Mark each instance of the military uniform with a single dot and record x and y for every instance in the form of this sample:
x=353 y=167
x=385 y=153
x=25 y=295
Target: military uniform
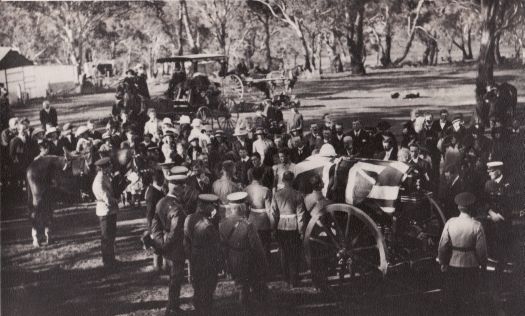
x=153 y=195
x=245 y=256
x=288 y=205
x=462 y=251
x=167 y=231
x=202 y=246
x=106 y=208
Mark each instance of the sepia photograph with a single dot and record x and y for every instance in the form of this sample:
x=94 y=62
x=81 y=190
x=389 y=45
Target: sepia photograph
x=262 y=157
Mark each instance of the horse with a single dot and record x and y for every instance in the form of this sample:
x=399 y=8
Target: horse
x=497 y=102
x=47 y=181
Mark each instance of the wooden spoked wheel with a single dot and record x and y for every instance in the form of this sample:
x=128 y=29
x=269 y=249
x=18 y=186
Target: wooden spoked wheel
x=232 y=88
x=342 y=242
x=227 y=115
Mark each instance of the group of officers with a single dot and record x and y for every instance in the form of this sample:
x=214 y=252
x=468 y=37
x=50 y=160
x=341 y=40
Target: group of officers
x=229 y=225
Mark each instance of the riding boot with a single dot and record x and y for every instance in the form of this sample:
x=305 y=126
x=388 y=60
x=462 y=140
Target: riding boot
x=36 y=242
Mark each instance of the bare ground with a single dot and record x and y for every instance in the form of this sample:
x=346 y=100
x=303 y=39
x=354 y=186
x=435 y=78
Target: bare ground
x=66 y=278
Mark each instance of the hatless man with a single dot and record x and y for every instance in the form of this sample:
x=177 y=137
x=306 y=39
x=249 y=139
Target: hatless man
x=389 y=147
x=361 y=138
x=67 y=139
x=281 y=168
x=300 y=150
x=225 y=185
x=288 y=207
x=244 y=252
x=261 y=146
x=242 y=166
x=202 y=246
x=267 y=178
x=462 y=252
x=48 y=115
x=259 y=200
x=106 y=210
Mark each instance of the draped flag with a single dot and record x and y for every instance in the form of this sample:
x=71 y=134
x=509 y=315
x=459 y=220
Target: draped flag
x=376 y=180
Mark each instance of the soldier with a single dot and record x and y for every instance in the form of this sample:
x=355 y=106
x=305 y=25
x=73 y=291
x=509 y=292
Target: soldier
x=288 y=207
x=501 y=200
x=462 y=251
x=244 y=253
x=167 y=230
x=259 y=200
x=154 y=193
x=106 y=210
x=202 y=247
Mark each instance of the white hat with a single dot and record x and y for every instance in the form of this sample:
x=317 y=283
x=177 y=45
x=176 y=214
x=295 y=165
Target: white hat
x=51 y=130
x=196 y=122
x=184 y=119
x=81 y=130
x=327 y=150
x=167 y=120
x=494 y=164
x=13 y=122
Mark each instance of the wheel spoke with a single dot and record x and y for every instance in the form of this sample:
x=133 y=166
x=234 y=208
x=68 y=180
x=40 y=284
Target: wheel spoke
x=431 y=218
x=322 y=242
x=347 y=229
x=331 y=235
x=354 y=240
x=364 y=248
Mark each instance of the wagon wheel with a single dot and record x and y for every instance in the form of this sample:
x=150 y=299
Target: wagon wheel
x=204 y=114
x=342 y=242
x=227 y=115
x=232 y=88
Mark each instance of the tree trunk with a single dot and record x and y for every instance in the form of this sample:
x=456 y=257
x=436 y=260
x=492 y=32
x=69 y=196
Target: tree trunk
x=407 y=49
x=267 y=43
x=180 y=43
x=356 y=47
x=497 y=53
x=386 y=59
x=486 y=56
x=194 y=46
x=469 y=43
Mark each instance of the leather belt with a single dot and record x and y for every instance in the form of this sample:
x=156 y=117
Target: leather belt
x=288 y=216
x=258 y=210
x=463 y=249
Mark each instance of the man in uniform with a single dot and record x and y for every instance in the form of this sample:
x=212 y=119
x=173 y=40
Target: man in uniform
x=244 y=252
x=288 y=207
x=106 y=210
x=501 y=201
x=167 y=230
x=202 y=247
x=154 y=193
x=259 y=200
x=462 y=252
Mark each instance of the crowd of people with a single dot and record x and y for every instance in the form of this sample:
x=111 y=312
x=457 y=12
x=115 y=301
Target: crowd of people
x=220 y=200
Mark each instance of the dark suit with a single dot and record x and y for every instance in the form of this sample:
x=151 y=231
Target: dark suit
x=48 y=117
x=361 y=141
x=236 y=146
x=423 y=168
x=241 y=171
x=436 y=127
x=392 y=156
x=339 y=145
x=70 y=145
x=201 y=188
x=299 y=154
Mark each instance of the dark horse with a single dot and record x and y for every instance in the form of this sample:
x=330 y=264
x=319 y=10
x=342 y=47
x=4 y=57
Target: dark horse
x=497 y=102
x=51 y=179
x=47 y=182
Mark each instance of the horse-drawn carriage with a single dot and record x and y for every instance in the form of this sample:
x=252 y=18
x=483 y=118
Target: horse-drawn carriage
x=202 y=87
x=378 y=219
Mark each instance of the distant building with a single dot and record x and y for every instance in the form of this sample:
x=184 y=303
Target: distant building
x=24 y=80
